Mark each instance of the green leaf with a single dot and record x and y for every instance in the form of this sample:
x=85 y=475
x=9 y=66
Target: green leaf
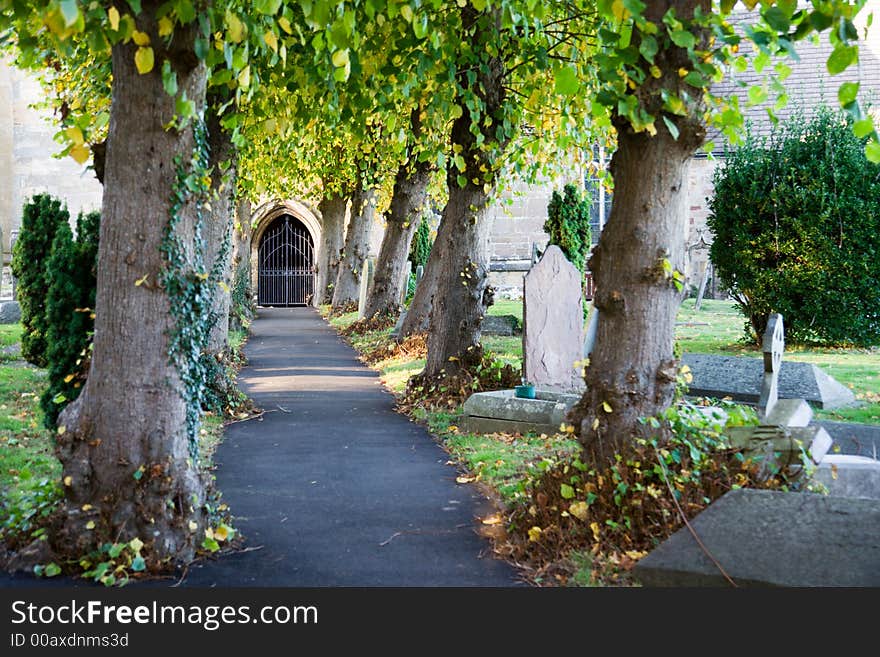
x=138 y=564
x=777 y=19
x=566 y=491
x=872 y=151
x=683 y=38
x=566 y=82
x=135 y=6
x=70 y=11
x=848 y=93
x=137 y=474
x=210 y=544
x=648 y=48
x=673 y=129
x=116 y=549
x=863 y=128
x=841 y=58
x=267 y=7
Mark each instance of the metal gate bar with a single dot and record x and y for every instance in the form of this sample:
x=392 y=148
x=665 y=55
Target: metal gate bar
x=286 y=273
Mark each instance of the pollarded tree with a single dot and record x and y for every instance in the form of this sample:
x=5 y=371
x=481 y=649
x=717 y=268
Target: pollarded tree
x=41 y=218
x=656 y=67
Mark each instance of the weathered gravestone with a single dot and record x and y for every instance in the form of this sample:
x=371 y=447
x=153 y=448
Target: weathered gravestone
x=500 y=325
x=553 y=323
x=365 y=283
x=783 y=428
x=420 y=271
x=10 y=312
x=772 y=538
x=407 y=271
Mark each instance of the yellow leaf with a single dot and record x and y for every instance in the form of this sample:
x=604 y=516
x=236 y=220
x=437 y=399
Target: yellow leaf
x=141 y=280
x=285 y=24
x=271 y=40
x=68 y=378
x=594 y=526
x=141 y=38
x=235 y=29
x=68 y=480
x=61 y=430
x=209 y=533
x=193 y=525
x=113 y=17
x=833 y=471
x=143 y=59
x=534 y=534
x=136 y=544
x=464 y=480
x=494 y=519
x=340 y=58
x=221 y=533
x=166 y=27
x=202 y=276
x=74 y=134
x=87 y=507
x=224 y=286
x=606 y=407
x=452 y=428
x=244 y=78
x=90 y=524
x=579 y=510
x=595 y=424
x=407 y=13
x=80 y=153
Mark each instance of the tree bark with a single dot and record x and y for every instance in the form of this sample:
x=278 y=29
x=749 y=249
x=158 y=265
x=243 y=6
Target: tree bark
x=407 y=203
x=356 y=249
x=632 y=369
x=218 y=227
x=418 y=314
x=124 y=449
x=332 y=208
x=463 y=293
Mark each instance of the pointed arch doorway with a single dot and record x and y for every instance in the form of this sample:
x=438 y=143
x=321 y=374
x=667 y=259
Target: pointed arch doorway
x=286 y=264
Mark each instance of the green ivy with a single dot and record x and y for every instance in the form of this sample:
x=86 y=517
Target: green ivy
x=190 y=286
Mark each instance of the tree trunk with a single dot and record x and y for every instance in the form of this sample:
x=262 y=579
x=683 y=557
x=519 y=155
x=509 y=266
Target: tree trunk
x=124 y=448
x=418 y=314
x=357 y=248
x=218 y=228
x=463 y=293
x=332 y=210
x=242 y=236
x=632 y=368
x=407 y=203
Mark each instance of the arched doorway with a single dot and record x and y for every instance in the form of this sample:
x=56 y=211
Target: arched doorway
x=286 y=264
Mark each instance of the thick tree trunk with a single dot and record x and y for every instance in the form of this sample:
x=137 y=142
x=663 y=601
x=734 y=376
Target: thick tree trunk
x=242 y=236
x=218 y=228
x=407 y=203
x=632 y=369
x=418 y=314
x=356 y=249
x=332 y=210
x=124 y=446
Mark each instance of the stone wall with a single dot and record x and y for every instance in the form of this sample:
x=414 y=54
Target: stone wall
x=26 y=163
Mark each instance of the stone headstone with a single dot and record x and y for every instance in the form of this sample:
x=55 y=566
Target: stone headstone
x=592 y=326
x=501 y=411
x=553 y=323
x=420 y=271
x=10 y=312
x=773 y=347
x=847 y=475
x=500 y=325
x=741 y=378
x=407 y=271
x=365 y=283
x=771 y=538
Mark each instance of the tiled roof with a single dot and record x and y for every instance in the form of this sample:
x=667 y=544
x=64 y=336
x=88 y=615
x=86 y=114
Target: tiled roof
x=808 y=85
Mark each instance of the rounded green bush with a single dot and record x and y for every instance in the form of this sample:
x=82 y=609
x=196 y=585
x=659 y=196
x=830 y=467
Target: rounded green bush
x=796 y=223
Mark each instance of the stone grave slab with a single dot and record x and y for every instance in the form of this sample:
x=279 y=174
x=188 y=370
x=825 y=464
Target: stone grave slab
x=10 y=312
x=553 y=323
x=771 y=538
x=847 y=475
x=741 y=377
x=500 y=325
x=501 y=411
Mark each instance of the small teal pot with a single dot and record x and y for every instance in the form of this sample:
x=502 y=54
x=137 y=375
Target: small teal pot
x=526 y=391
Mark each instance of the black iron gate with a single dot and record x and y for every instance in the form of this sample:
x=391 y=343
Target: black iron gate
x=286 y=275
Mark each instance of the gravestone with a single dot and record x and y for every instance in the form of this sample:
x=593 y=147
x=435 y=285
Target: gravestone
x=501 y=411
x=773 y=346
x=420 y=271
x=772 y=538
x=590 y=335
x=10 y=312
x=741 y=377
x=500 y=325
x=407 y=271
x=553 y=323
x=365 y=283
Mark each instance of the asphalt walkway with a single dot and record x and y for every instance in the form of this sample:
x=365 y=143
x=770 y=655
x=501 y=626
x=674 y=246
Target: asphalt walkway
x=332 y=485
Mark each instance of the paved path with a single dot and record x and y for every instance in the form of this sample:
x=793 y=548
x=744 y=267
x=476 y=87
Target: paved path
x=337 y=488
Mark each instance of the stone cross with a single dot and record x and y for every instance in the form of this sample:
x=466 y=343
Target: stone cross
x=773 y=346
